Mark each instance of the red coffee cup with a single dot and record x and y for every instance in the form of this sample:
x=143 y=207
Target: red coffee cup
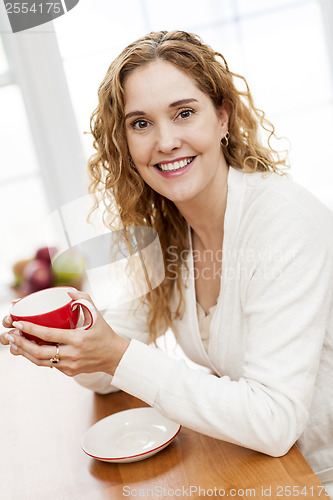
x=52 y=307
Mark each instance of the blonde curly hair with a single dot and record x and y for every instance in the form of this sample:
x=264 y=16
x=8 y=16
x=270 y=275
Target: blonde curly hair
x=114 y=180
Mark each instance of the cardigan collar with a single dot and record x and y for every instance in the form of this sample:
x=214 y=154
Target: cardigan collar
x=236 y=182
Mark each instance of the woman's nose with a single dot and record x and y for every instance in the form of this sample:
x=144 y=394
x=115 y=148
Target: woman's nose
x=167 y=139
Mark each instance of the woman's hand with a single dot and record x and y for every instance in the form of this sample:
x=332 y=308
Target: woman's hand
x=80 y=351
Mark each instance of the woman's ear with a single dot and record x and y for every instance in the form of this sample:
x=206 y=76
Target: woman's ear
x=224 y=112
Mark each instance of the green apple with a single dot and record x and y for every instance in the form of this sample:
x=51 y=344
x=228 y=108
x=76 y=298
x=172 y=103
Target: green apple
x=68 y=268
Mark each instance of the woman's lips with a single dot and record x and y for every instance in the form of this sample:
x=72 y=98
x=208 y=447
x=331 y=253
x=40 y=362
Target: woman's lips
x=175 y=173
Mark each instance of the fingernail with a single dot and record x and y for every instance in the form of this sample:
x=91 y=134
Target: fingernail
x=13 y=346
x=8 y=319
x=9 y=337
x=16 y=324
x=17 y=332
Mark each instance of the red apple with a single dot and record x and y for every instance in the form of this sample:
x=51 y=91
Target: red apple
x=38 y=275
x=46 y=253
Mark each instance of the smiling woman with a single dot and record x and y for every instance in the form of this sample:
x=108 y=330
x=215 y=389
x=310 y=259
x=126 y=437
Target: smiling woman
x=148 y=86
x=248 y=286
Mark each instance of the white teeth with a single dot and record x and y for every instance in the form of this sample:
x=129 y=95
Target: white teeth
x=176 y=165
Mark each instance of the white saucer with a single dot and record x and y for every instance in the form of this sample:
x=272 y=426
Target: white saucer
x=129 y=436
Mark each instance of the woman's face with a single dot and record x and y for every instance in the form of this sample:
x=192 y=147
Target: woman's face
x=173 y=131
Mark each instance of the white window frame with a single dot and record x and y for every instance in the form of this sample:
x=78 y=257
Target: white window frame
x=36 y=67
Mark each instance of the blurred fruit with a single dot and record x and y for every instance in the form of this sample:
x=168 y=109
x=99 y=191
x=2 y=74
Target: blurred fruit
x=48 y=269
x=18 y=269
x=68 y=268
x=46 y=254
x=37 y=275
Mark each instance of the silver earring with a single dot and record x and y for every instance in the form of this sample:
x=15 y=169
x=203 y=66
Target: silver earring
x=225 y=140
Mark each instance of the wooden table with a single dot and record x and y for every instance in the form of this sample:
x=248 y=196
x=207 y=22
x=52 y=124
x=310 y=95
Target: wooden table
x=43 y=416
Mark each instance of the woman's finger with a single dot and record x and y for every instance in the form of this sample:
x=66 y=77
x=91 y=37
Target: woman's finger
x=7 y=337
x=56 y=335
x=4 y=339
x=40 y=360
x=42 y=356
x=38 y=354
x=7 y=322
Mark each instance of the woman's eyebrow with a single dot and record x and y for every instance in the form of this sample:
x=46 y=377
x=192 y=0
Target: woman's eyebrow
x=134 y=113
x=180 y=102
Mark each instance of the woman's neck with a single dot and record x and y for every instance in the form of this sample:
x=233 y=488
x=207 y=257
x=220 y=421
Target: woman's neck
x=205 y=214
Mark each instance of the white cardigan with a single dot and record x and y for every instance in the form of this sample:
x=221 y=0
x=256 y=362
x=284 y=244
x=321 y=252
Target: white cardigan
x=271 y=335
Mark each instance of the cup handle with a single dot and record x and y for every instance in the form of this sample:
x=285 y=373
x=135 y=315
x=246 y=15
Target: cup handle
x=91 y=310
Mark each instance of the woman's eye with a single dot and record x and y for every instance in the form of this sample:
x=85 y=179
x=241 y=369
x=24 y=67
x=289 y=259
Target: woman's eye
x=140 y=124
x=185 y=113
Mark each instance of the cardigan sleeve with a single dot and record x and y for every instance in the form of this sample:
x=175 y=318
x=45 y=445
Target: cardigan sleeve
x=286 y=305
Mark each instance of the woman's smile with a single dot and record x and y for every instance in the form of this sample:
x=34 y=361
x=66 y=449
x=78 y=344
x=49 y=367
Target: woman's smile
x=175 y=167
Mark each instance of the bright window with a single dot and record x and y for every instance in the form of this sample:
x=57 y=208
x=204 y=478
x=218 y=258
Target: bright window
x=279 y=46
